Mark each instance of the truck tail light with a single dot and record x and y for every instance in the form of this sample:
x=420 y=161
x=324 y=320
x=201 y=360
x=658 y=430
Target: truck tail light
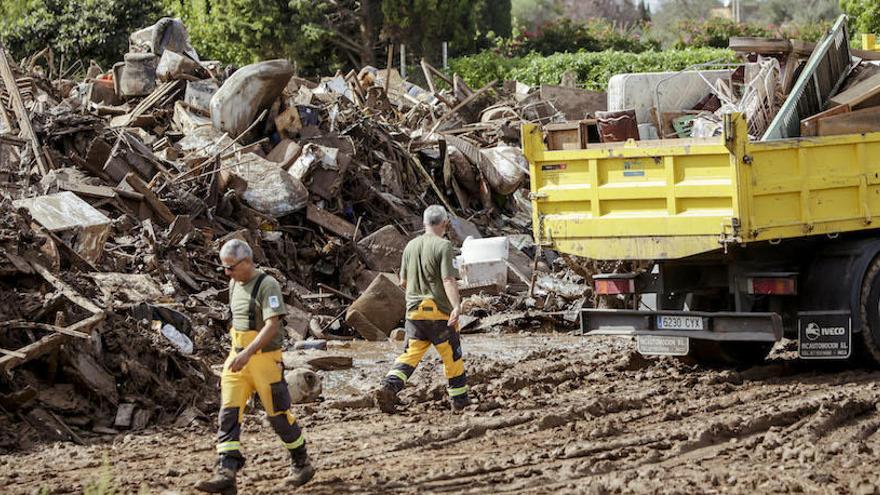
x=606 y=286
x=777 y=286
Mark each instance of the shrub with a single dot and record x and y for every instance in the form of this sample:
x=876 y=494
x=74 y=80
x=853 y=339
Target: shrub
x=593 y=69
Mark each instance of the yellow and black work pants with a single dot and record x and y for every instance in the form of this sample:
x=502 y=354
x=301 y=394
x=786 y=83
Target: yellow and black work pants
x=263 y=374
x=426 y=325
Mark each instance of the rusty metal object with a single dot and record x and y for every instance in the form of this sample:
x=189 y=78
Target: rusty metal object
x=617 y=126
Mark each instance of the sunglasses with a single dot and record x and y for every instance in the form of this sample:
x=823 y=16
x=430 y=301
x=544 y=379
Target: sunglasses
x=231 y=267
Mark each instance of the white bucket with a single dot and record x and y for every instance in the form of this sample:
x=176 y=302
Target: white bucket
x=488 y=249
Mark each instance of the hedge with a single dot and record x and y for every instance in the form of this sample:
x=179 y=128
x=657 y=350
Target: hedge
x=593 y=69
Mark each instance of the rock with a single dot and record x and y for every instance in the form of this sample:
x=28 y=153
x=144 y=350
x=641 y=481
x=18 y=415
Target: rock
x=246 y=93
x=383 y=249
x=379 y=309
x=304 y=385
x=397 y=335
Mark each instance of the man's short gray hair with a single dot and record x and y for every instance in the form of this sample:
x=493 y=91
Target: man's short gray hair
x=435 y=215
x=236 y=249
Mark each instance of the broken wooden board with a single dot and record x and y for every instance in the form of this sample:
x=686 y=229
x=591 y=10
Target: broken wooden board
x=162 y=212
x=24 y=121
x=48 y=343
x=127 y=287
x=810 y=126
x=861 y=95
x=65 y=211
x=857 y=122
x=329 y=221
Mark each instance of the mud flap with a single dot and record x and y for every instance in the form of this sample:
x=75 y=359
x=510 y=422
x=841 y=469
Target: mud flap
x=824 y=335
x=280 y=396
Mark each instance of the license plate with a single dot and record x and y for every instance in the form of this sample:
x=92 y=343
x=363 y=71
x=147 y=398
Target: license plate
x=679 y=323
x=661 y=345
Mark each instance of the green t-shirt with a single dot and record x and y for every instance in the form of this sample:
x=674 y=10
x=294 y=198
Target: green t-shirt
x=427 y=260
x=269 y=303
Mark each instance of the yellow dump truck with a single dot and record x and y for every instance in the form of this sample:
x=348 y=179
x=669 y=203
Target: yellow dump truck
x=751 y=240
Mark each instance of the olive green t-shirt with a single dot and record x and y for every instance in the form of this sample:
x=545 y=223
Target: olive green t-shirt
x=427 y=260
x=269 y=303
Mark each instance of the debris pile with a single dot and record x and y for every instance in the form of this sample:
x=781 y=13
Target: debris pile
x=118 y=189
x=785 y=88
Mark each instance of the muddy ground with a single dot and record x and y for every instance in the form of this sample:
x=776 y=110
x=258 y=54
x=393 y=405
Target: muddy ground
x=557 y=414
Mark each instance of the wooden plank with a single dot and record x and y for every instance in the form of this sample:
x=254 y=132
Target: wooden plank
x=68 y=291
x=857 y=122
x=810 y=126
x=24 y=121
x=87 y=190
x=805 y=48
x=48 y=343
x=863 y=94
x=16 y=354
x=44 y=326
x=747 y=44
x=329 y=221
x=155 y=204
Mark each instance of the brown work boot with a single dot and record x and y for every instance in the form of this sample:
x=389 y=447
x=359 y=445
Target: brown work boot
x=385 y=399
x=222 y=482
x=301 y=471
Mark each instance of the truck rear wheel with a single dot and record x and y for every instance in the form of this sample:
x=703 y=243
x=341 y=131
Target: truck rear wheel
x=869 y=312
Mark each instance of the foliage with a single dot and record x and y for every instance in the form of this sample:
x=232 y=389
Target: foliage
x=593 y=69
x=803 y=12
x=568 y=36
x=716 y=32
x=246 y=31
x=531 y=14
x=864 y=15
x=496 y=18
x=423 y=25
x=76 y=29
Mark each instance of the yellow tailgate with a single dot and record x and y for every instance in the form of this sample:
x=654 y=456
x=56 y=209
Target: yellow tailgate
x=640 y=200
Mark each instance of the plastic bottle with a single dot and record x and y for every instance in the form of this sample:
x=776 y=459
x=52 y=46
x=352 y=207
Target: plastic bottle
x=180 y=340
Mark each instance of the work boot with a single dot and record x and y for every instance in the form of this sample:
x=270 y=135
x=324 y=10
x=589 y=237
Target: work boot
x=301 y=471
x=460 y=402
x=385 y=399
x=222 y=482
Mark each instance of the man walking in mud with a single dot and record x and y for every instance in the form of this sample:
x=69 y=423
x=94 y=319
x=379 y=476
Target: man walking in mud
x=432 y=309
x=253 y=365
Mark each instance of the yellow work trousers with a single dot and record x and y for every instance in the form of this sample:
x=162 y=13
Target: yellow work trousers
x=262 y=374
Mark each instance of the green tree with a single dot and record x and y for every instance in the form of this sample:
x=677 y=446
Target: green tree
x=496 y=17
x=780 y=12
x=864 y=15
x=246 y=31
x=423 y=25
x=530 y=15
x=644 y=11
x=76 y=29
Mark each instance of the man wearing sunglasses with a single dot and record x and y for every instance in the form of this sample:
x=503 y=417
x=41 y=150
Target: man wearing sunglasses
x=254 y=365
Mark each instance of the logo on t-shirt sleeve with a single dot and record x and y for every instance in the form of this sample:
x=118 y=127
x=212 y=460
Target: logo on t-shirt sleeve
x=274 y=302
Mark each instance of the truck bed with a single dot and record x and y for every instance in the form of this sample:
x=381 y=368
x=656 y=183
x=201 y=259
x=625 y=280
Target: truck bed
x=673 y=198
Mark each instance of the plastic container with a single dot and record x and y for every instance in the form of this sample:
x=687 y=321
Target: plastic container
x=181 y=341
x=488 y=249
x=489 y=272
